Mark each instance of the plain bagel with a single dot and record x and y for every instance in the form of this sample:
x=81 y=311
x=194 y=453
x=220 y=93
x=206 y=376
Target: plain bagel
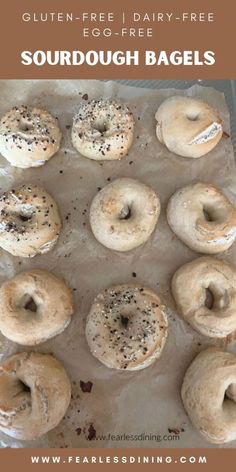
x=123 y=215
x=34 y=306
x=29 y=221
x=35 y=393
x=103 y=129
x=126 y=327
x=203 y=218
x=209 y=395
x=205 y=294
x=29 y=136
x=187 y=126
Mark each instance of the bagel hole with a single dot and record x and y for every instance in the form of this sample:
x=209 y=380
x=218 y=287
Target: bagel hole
x=25 y=126
x=207 y=215
x=24 y=388
x=24 y=212
x=230 y=393
x=209 y=299
x=27 y=302
x=124 y=321
x=31 y=305
x=100 y=126
x=192 y=117
x=24 y=217
x=125 y=213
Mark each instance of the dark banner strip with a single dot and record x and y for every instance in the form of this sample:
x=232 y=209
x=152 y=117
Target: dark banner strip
x=90 y=39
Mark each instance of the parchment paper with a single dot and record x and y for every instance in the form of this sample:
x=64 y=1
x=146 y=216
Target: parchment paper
x=119 y=403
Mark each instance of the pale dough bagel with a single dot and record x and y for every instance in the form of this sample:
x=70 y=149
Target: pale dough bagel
x=29 y=221
x=35 y=393
x=203 y=218
x=205 y=294
x=127 y=327
x=29 y=136
x=124 y=214
x=34 y=306
x=103 y=129
x=187 y=126
x=209 y=395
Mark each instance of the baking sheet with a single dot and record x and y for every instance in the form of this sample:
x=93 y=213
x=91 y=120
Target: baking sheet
x=132 y=403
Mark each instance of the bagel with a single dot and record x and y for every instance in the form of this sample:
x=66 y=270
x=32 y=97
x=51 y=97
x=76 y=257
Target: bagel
x=34 y=306
x=28 y=136
x=203 y=218
x=205 y=294
x=187 y=126
x=35 y=393
x=29 y=221
x=103 y=130
x=209 y=395
x=126 y=327
x=123 y=215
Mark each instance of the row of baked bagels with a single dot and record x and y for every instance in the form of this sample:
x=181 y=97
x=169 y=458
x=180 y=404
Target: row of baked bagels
x=126 y=329
x=104 y=130
x=123 y=215
x=35 y=393
x=34 y=292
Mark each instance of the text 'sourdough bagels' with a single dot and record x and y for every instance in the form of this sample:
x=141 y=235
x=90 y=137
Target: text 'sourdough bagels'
x=35 y=393
x=205 y=294
x=203 y=218
x=29 y=136
x=103 y=129
x=29 y=221
x=126 y=327
x=187 y=126
x=209 y=395
x=34 y=306
x=123 y=215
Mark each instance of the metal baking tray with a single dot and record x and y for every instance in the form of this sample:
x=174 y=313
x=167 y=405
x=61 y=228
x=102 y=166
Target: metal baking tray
x=228 y=87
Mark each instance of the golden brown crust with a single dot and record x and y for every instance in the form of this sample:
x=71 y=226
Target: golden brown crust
x=123 y=215
x=203 y=218
x=29 y=136
x=29 y=221
x=35 y=393
x=187 y=126
x=103 y=130
x=190 y=285
x=209 y=395
x=126 y=327
x=34 y=306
